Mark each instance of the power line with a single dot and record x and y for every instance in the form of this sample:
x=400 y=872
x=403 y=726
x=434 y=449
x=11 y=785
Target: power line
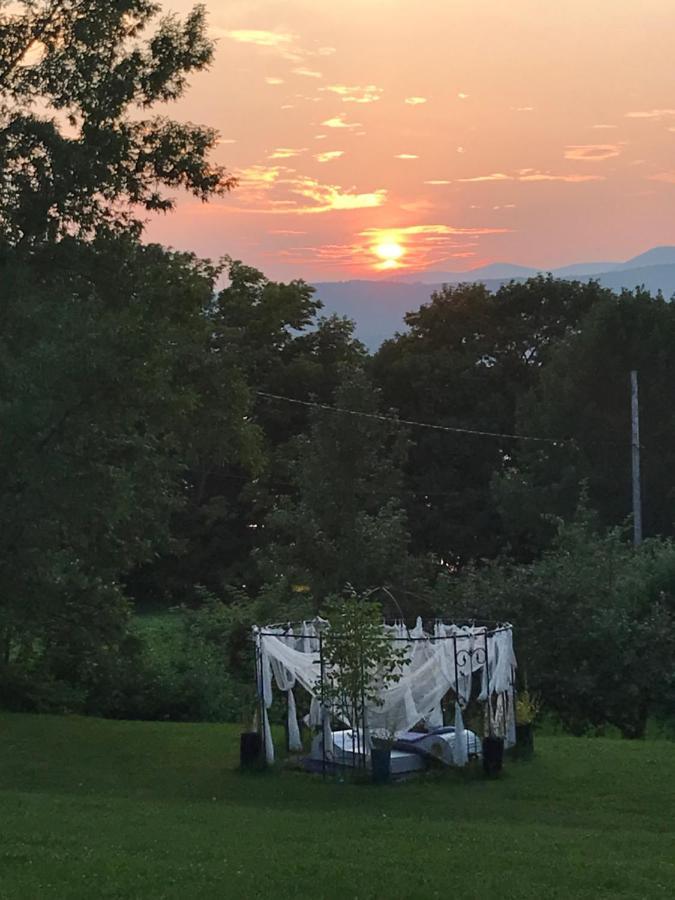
x=557 y=442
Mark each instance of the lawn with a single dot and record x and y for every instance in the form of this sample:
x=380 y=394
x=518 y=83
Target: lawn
x=99 y=809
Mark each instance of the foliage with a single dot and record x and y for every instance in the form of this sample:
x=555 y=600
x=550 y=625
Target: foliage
x=468 y=357
x=271 y=333
x=360 y=659
x=594 y=623
x=77 y=152
x=584 y=394
x=105 y=350
x=340 y=520
x=528 y=706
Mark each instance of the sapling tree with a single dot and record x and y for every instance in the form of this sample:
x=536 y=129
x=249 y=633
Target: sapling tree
x=360 y=658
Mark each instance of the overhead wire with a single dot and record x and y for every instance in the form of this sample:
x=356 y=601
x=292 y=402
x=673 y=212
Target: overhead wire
x=452 y=429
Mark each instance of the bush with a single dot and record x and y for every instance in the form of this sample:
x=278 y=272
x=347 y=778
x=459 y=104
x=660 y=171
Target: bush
x=594 y=623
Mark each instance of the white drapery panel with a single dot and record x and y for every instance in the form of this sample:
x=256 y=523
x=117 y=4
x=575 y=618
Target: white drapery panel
x=446 y=661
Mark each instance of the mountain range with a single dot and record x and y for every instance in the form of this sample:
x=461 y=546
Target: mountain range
x=377 y=307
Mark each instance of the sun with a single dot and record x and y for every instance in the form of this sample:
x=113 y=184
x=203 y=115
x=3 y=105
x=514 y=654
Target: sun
x=389 y=252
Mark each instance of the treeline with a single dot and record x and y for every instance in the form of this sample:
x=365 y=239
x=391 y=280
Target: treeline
x=168 y=442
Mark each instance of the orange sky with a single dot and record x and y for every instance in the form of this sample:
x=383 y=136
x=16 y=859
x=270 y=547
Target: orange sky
x=465 y=131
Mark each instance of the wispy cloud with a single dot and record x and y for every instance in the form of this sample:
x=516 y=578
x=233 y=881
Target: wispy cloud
x=329 y=155
x=573 y=178
x=415 y=101
x=287 y=152
x=368 y=93
x=601 y=126
x=438 y=181
x=259 y=38
x=340 y=122
x=493 y=176
x=304 y=72
x=666 y=177
x=274 y=80
x=522 y=109
x=273 y=190
x=532 y=175
x=592 y=152
x=406 y=156
x=651 y=114
x=462 y=96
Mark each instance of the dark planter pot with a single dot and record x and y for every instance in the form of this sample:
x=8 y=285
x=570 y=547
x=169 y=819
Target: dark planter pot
x=250 y=750
x=380 y=761
x=493 y=755
x=524 y=741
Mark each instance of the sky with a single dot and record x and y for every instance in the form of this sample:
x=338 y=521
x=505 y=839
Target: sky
x=379 y=138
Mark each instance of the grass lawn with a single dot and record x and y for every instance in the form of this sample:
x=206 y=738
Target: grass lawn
x=95 y=809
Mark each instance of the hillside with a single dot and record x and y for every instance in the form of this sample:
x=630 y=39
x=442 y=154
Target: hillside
x=378 y=307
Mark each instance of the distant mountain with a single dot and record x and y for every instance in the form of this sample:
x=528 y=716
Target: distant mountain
x=482 y=273
x=657 y=256
x=378 y=307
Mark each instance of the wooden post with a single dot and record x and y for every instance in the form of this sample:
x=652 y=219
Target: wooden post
x=635 y=453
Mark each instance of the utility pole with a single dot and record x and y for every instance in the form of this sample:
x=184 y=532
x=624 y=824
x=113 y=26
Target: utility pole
x=635 y=451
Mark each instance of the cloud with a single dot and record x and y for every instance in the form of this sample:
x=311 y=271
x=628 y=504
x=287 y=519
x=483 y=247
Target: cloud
x=438 y=181
x=494 y=176
x=409 y=230
x=274 y=39
x=306 y=73
x=666 y=177
x=592 y=152
x=368 y=93
x=226 y=141
x=277 y=189
x=415 y=101
x=522 y=108
x=651 y=114
x=286 y=152
x=462 y=96
x=329 y=155
x=339 y=122
x=320 y=137
x=406 y=156
x=532 y=175
x=272 y=80
x=601 y=126
x=286 y=231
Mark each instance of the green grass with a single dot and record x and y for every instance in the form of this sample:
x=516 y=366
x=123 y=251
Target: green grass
x=98 y=809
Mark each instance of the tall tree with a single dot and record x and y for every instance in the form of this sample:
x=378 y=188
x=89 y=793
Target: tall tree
x=274 y=334
x=341 y=520
x=584 y=394
x=105 y=349
x=77 y=153
x=468 y=356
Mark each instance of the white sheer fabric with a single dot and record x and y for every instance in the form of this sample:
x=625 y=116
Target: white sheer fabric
x=443 y=662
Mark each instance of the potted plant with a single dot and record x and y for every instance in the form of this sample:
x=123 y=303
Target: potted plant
x=527 y=709
x=360 y=661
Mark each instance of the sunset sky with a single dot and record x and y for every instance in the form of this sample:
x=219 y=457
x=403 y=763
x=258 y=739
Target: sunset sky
x=374 y=137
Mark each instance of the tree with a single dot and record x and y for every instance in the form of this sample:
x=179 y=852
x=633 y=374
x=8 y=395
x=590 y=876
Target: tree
x=467 y=359
x=77 y=154
x=272 y=333
x=584 y=395
x=594 y=623
x=340 y=520
x=105 y=348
